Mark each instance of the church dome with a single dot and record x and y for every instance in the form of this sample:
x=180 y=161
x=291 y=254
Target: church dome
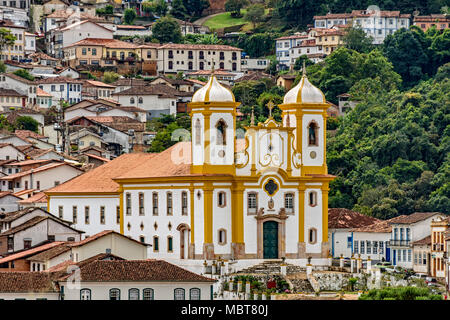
x=304 y=92
x=213 y=91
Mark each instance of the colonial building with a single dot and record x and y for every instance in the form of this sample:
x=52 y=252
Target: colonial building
x=440 y=21
x=439 y=227
x=173 y=58
x=377 y=24
x=261 y=197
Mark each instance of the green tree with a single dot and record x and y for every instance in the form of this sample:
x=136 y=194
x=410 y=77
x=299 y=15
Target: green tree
x=6 y=37
x=195 y=7
x=407 y=55
x=235 y=6
x=26 y=123
x=356 y=39
x=110 y=77
x=299 y=13
x=167 y=29
x=24 y=74
x=178 y=10
x=129 y=16
x=255 y=14
x=298 y=65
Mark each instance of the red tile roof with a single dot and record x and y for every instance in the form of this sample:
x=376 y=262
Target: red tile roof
x=136 y=271
x=27 y=282
x=341 y=218
x=414 y=217
x=424 y=241
x=29 y=252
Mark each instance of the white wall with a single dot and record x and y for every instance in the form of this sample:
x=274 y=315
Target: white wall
x=162 y=290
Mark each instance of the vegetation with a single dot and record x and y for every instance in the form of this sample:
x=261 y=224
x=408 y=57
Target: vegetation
x=356 y=39
x=391 y=153
x=6 y=37
x=235 y=6
x=109 y=9
x=24 y=74
x=178 y=10
x=110 y=77
x=26 y=123
x=402 y=293
x=167 y=30
x=164 y=127
x=255 y=14
x=129 y=16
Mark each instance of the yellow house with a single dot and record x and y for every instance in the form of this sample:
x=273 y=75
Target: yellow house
x=329 y=40
x=113 y=53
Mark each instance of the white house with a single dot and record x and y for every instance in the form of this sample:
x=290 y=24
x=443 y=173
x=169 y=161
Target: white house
x=422 y=255
x=59 y=38
x=155 y=99
x=21 y=85
x=341 y=221
x=374 y=22
x=41 y=178
x=64 y=88
x=407 y=229
x=373 y=241
x=35 y=231
x=30 y=43
x=10 y=152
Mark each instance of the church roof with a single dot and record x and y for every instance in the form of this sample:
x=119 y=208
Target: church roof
x=213 y=91
x=305 y=92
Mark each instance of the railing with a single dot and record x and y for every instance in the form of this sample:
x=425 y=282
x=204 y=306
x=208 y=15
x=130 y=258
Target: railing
x=399 y=243
x=438 y=247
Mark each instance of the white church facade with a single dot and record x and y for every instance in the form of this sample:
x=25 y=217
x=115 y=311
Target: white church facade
x=261 y=197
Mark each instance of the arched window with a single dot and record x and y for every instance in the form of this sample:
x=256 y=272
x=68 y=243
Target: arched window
x=133 y=294
x=85 y=294
x=313 y=134
x=202 y=65
x=221 y=199
x=132 y=100
x=312 y=198
x=148 y=294
x=114 y=294
x=140 y=100
x=194 y=294
x=198 y=132
x=221 y=132
x=178 y=294
x=222 y=236
x=312 y=236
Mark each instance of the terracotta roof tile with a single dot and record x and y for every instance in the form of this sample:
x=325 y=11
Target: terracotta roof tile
x=414 y=217
x=100 y=178
x=424 y=241
x=30 y=252
x=340 y=218
x=199 y=47
x=137 y=270
x=35 y=170
x=26 y=282
x=39 y=197
x=383 y=226
x=50 y=253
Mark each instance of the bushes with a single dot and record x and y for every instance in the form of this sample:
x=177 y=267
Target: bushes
x=402 y=293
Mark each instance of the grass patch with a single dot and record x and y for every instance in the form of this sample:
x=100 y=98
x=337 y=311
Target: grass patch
x=224 y=20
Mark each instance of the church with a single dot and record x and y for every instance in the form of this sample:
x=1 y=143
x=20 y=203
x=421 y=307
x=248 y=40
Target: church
x=262 y=196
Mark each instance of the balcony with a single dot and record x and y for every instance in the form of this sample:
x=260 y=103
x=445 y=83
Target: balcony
x=437 y=247
x=399 y=243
